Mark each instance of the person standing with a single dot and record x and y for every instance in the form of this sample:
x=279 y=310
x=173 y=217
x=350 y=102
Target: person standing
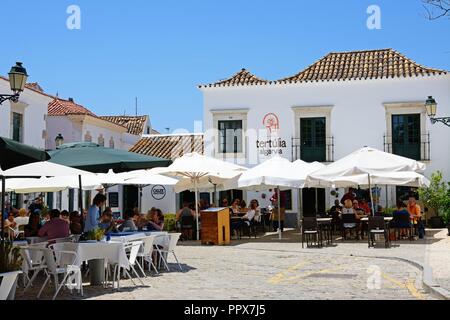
x=276 y=210
x=93 y=214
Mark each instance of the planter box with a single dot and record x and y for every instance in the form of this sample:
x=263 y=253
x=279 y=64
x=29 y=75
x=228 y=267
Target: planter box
x=436 y=223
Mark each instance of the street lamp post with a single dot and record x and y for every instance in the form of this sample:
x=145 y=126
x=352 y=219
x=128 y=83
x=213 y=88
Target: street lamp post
x=59 y=140
x=17 y=80
x=431 y=108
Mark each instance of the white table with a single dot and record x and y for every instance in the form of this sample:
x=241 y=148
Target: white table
x=162 y=237
x=386 y=219
x=112 y=252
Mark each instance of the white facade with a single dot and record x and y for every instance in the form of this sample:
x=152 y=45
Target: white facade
x=82 y=128
x=32 y=108
x=358 y=113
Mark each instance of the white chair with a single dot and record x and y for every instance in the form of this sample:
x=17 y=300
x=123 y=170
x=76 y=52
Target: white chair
x=164 y=252
x=71 y=271
x=133 y=248
x=33 y=261
x=146 y=254
x=7 y=282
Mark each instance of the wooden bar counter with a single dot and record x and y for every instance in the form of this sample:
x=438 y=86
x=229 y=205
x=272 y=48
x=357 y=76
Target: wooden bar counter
x=215 y=226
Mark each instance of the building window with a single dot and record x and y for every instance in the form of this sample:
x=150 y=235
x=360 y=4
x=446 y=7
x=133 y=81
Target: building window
x=313 y=139
x=111 y=143
x=88 y=137
x=230 y=136
x=17 y=127
x=101 y=140
x=406 y=135
x=58 y=200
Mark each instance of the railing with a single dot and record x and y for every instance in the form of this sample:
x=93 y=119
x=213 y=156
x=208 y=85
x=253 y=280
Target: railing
x=425 y=146
x=324 y=153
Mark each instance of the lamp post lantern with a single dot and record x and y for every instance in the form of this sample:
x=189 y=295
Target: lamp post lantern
x=59 y=140
x=431 y=108
x=17 y=79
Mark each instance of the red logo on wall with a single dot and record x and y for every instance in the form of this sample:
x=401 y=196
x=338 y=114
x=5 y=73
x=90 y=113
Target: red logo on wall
x=271 y=122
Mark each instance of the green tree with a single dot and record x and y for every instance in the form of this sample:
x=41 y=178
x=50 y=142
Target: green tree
x=437 y=195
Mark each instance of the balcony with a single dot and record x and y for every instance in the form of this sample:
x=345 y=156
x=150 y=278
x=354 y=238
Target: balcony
x=416 y=150
x=310 y=152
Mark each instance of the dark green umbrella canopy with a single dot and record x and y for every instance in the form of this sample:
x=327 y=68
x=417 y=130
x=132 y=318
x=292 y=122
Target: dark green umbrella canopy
x=92 y=157
x=14 y=154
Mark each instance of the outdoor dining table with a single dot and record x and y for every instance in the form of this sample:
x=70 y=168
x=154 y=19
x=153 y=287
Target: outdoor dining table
x=325 y=225
x=387 y=221
x=162 y=237
x=99 y=252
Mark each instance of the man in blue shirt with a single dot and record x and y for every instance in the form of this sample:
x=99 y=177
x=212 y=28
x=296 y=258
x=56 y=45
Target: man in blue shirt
x=93 y=214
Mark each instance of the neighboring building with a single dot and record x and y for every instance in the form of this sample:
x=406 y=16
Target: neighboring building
x=137 y=126
x=24 y=121
x=170 y=146
x=77 y=123
x=344 y=101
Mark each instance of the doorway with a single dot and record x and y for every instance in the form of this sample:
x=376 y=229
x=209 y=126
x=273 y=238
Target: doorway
x=309 y=201
x=130 y=197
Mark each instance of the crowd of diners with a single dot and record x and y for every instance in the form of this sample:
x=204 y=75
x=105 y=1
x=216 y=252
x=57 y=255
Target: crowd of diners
x=407 y=214
x=242 y=215
x=34 y=221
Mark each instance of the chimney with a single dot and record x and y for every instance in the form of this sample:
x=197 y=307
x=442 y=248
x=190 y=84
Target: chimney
x=71 y=99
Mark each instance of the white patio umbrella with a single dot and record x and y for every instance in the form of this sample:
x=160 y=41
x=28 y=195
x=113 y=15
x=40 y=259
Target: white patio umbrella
x=195 y=168
x=277 y=173
x=41 y=169
x=369 y=166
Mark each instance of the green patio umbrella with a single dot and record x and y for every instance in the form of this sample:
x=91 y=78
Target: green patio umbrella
x=14 y=154
x=95 y=158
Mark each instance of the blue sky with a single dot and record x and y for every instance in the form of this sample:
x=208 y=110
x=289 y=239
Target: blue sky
x=161 y=50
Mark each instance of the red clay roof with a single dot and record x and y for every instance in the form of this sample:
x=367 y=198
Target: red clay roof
x=341 y=66
x=134 y=124
x=169 y=146
x=60 y=107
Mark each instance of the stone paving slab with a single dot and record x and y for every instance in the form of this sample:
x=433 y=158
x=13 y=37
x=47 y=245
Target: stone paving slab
x=266 y=271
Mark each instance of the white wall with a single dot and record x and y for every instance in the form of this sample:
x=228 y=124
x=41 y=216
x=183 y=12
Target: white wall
x=33 y=106
x=358 y=114
x=70 y=130
x=166 y=204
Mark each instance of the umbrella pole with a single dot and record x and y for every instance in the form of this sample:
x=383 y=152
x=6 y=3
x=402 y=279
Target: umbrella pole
x=279 y=213
x=3 y=206
x=80 y=197
x=196 y=207
x=371 y=196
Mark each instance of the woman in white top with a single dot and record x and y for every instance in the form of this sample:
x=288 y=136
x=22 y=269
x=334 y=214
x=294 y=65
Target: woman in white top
x=252 y=212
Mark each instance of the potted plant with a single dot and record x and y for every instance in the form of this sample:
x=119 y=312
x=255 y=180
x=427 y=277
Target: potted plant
x=10 y=268
x=97 y=234
x=436 y=197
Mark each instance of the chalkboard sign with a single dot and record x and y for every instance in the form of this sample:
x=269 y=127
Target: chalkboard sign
x=113 y=199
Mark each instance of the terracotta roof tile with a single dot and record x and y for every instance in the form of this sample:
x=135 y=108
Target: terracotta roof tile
x=169 y=146
x=134 y=124
x=340 y=66
x=60 y=107
x=34 y=86
x=242 y=78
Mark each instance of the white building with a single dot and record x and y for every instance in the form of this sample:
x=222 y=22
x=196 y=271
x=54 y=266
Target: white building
x=168 y=146
x=337 y=105
x=24 y=121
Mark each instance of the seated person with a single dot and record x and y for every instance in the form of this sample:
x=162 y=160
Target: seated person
x=349 y=209
x=235 y=209
x=364 y=206
x=380 y=211
x=255 y=203
x=128 y=224
x=10 y=226
x=156 y=222
x=65 y=216
x=141 y=221
x=75 y=223
x=34 y=224
x=106 y=221
x=401 y=218
x=22 y=219
x=243 y=206
x=337 y=208
x=55 y=228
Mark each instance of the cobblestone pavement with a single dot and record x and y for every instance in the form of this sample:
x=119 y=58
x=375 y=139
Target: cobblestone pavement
x=271 y=270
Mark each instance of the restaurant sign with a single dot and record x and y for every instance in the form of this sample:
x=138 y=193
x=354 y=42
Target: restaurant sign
x=273 y=144
x=158 y=192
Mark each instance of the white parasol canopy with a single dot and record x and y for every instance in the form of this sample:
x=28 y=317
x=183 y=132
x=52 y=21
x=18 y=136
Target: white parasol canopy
x=276 y=172
x=196 y=168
